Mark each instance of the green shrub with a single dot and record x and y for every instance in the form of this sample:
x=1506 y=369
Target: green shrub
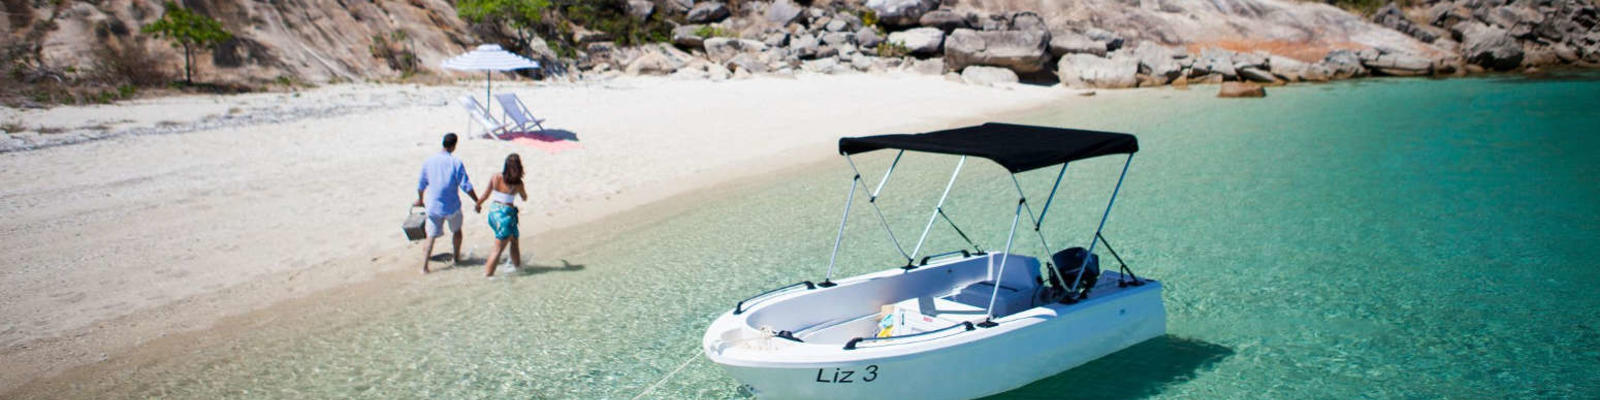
x=395 y=49
x=710 y=31
x=892 y=49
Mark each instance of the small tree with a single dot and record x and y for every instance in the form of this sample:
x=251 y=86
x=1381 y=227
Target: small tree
x=524 y=16
x=188 y=31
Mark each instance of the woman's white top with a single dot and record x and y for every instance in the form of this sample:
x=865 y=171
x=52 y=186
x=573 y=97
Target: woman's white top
x=499 y=196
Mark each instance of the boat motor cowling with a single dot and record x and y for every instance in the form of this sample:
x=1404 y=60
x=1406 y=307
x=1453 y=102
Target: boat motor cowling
x=1068 y=262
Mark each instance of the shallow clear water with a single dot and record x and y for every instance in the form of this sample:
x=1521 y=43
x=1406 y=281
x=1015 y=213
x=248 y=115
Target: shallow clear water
x=1378 y=239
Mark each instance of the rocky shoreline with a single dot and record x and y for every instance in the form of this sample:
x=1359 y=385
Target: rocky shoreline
x=1092 y=50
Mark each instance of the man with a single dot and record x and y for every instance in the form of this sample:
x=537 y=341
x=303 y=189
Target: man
x=442 y=175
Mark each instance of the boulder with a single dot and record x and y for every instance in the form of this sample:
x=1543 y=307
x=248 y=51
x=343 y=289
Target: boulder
x=1112 y=40
x=750 y=62
x=931 y=66
x=988 y=76
x=1027 y=21
x=1538 y=55
x=1075 y=43
x=1157 y=61
x=836 y=25
x=1445 y=13
x=1487 y=46
x=782 y=12
x=585 y=36
x=1216 y=61
x=1021 y=51
x=823 y=66
x=857 y=61
x=804 y=46
x=838 y=39
x=1391 y=17
x=826 y=51
x=686 y=36
x=678 y=6
x=1241 y=89
x=1089 y=71
x=868 y=37
x=707 y=12
x=1517 y=20
x=718 y=73
x=901 y=13
x=1288 y=69
x=721 y=49
x=1316 y=73
x=1399 y=64
x=944 y=19
x=1256 y=75
x=919 y=41
x=652 y=64
x=1344 y=64
x=851 y=21
x=641 y=9
x=1250 y=60
x=776 y=39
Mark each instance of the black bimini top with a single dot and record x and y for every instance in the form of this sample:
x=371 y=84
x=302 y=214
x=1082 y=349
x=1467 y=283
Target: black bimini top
x=1018 y=148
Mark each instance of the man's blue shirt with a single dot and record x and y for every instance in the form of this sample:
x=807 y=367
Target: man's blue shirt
x=441 y=176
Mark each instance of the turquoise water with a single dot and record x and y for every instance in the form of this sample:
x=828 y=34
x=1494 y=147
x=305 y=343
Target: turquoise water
x=1375 y=239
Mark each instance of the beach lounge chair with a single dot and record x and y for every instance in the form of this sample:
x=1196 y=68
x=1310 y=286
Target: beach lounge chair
x=491 y=128
x=518 y=112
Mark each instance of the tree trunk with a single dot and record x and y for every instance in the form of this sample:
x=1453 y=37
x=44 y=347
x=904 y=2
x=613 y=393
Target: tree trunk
x=188 y=65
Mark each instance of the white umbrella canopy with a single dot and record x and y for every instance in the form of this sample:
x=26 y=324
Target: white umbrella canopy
x=489 y=58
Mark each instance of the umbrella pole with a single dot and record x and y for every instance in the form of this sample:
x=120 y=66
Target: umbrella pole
x=488 y=103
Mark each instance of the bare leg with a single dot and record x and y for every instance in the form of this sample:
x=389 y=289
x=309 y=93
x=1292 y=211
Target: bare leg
x=494 y=259
x=516 y=252
x=456 y=240
x=427 y=254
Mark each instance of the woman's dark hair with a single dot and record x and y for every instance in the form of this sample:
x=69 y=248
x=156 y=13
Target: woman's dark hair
x=512 y=173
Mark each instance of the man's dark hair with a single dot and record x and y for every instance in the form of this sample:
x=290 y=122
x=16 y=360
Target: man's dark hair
x=449 y=140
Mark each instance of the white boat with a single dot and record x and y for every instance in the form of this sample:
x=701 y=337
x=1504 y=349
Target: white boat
x=955 y=325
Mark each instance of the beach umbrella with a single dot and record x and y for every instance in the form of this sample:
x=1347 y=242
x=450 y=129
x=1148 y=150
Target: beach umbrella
x=489 y=58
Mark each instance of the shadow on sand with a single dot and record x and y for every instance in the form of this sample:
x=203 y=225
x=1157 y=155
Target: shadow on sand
x=526 y=270
x=547 y=135
x=1144 y=370
x=529 y=270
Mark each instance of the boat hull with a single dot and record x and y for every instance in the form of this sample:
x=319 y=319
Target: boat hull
x=1023 y=348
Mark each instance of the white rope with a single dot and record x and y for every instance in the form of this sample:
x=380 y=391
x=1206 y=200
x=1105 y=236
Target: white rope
x=669 y=375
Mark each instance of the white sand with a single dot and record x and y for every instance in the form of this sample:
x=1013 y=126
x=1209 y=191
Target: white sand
x=110 y=243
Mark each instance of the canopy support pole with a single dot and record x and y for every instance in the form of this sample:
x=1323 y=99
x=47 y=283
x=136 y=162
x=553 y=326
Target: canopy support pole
x=873 y=200
x=963 y=235
x=1043 y=244
x=937 y=208
x=827 y=281
x=988 y=321
x=1052 y=198
x=488 y=103
x=1103 y=217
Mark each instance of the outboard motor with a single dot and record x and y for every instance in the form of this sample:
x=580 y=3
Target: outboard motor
x=1069 y=261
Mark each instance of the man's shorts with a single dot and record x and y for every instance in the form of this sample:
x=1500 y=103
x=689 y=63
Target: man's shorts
x=433 y=225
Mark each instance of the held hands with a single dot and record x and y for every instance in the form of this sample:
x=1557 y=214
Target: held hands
x=477 y=208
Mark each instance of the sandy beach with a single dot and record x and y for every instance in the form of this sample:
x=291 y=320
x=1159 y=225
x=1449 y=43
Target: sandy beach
x=213 y=206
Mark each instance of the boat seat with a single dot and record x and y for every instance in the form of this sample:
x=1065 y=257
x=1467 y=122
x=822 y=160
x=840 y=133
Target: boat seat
x=1011 y=299
x=929 y=313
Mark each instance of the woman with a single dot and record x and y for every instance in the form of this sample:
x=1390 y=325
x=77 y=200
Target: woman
x=503 y=211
